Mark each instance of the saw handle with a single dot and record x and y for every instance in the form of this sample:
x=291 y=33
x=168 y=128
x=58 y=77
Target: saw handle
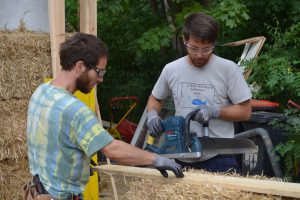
x=188 y=118
x=187 y=137
x=205 y=126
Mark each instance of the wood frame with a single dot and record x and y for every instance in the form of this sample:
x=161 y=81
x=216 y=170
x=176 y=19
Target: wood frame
x=251 y=50
x=56 y=12
x=88 y=24
x=237 y=183
x=88 y=16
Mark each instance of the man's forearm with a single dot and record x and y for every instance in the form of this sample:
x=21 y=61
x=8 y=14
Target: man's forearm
x=126 y=154
x=154 y=103
x=239 y=112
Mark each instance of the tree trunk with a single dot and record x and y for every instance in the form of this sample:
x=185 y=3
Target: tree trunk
x=154 y=6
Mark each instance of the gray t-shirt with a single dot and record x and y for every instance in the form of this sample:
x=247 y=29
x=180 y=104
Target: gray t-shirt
x=220 y=82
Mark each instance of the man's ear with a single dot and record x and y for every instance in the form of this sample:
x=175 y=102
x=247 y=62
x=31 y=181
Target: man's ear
x=79 y=67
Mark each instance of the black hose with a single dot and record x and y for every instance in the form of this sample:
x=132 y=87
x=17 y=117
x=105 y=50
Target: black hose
x=268 y=144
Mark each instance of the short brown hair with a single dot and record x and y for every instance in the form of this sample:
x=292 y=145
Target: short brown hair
x=81 y=47
x=201 y=26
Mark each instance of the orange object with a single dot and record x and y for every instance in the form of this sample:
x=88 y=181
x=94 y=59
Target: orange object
x=263 y=105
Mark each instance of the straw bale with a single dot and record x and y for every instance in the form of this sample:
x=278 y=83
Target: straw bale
x=13 y=115
x=24 y=62
x=13 y=175
x=135 y=188
x=149 y=189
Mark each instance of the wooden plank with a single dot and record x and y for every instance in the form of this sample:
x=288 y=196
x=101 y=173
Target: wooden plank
x=56 y=11
x=249 y=40
x=88 y=16
x=236 y=183
x=88 y=24
x=84 y=16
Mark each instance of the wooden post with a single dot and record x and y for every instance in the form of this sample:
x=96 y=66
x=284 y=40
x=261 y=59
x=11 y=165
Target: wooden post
x=88 y=24
x=56 y=9
x=88 y=16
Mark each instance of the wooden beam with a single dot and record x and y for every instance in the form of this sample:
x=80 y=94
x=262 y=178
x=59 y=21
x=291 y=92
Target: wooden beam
x=236 y=183
x=88 y=16
x=56 y=11
x=88 y=24
x=249 y=40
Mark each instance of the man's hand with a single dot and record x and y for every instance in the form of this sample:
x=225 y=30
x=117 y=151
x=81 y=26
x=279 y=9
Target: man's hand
x=163 y=164
x=154 y=123
x=205 y=113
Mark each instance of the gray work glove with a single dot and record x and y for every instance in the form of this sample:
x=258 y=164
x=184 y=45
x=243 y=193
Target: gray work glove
x=154 y=123
x=163 y=164
x=205 y=113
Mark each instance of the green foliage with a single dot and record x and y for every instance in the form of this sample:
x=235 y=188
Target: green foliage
x=290 y=150
x=276 y=71
x=232 y=13
x=286 y=12
x=188 y=9
x=155 y=38
x=229 y=13
x=72 y=15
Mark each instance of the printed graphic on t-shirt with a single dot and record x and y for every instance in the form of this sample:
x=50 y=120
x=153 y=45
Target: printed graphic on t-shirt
x=191 y=95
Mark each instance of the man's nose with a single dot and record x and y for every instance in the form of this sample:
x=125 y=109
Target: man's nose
x=100 y=79
x=199 y=55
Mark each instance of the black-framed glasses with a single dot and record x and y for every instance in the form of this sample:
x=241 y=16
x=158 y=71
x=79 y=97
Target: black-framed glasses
x=197 y=50
x=100 y=72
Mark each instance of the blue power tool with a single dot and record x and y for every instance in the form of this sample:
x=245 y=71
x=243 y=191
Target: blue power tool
x=174 y=138
x=180 y=143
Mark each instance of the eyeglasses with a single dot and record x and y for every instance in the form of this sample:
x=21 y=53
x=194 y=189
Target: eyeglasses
x=196 y=50
x=100 y=72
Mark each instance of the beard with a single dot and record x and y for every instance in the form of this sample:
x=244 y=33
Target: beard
x=83 y=83
x=199 y=62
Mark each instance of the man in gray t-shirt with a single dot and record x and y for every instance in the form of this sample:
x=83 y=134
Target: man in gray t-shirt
x=203 y=80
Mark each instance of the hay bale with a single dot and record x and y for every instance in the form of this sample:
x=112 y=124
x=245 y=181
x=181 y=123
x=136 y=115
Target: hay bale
x=13 y=175
x=13 y=114
x=25 y=59
x=149 y=189
x=135 y=188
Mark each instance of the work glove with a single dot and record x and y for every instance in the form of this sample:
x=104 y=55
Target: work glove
x=154 y=123
x=163 y=164
x=205 y=113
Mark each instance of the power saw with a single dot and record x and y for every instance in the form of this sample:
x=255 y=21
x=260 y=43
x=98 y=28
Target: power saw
x=180 y=143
